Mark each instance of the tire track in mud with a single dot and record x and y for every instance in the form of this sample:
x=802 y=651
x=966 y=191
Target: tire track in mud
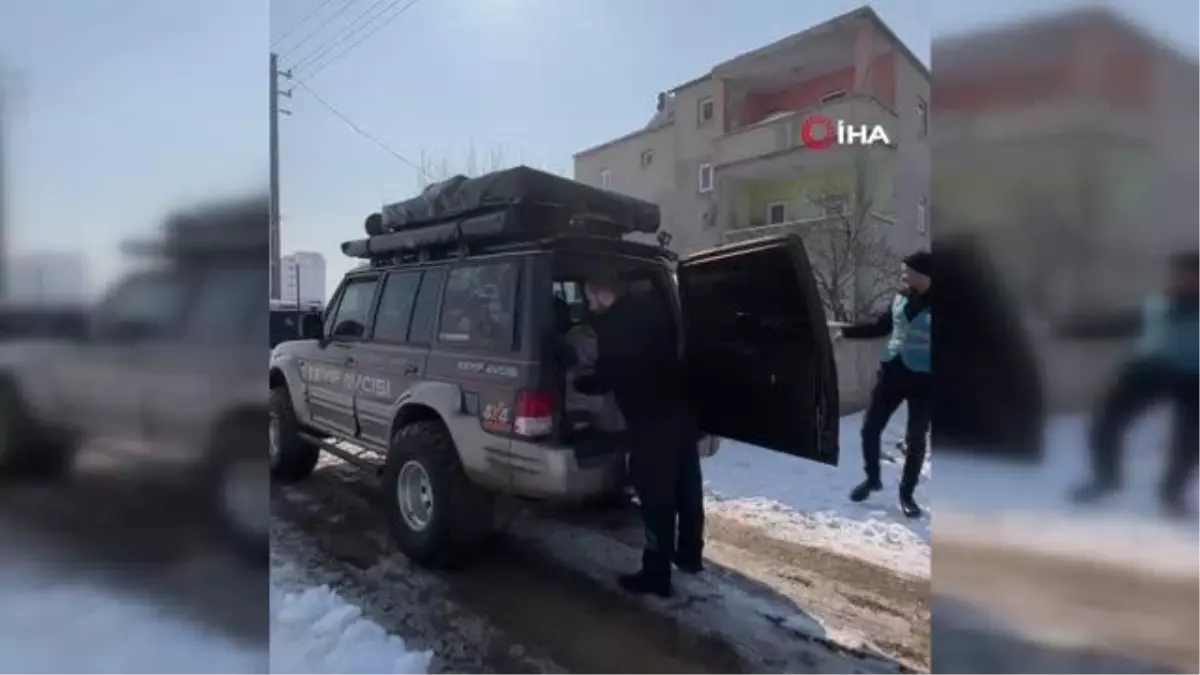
x=527 y=613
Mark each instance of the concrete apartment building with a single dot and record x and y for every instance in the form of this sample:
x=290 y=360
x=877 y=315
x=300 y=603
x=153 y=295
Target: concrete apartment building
x=723 y=156
x=302 y=278
x=1068 y=144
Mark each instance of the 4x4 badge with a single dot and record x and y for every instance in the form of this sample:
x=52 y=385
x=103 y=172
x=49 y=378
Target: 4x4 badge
x=497 y=416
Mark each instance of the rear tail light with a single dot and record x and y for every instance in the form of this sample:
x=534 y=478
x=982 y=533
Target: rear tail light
x=534 y=414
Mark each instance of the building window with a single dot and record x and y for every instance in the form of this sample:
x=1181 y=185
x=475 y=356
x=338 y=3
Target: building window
x=922 y=216
x=833 y=204
x=776 y=213
x=922 y=118
x=706 y=178
x=705 y=111
x=606 y=178
x=833 y=96
x=647 y=158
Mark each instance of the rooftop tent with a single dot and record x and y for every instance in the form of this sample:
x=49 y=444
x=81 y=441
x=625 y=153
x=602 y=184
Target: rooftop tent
x=461 y=196
x=236 y=226
x=509 y=205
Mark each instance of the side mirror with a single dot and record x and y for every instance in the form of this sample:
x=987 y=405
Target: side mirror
x=312 y=327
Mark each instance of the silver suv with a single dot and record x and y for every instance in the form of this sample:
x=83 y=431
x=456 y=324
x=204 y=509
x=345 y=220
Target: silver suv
x=163 y=366
x=445 y=372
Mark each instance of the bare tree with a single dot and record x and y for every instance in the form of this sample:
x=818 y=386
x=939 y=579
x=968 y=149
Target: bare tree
x=437 y=168
x=853 y=265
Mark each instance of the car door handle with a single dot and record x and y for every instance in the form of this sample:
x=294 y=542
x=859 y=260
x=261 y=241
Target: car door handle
x=351 y=361
x=411 y=369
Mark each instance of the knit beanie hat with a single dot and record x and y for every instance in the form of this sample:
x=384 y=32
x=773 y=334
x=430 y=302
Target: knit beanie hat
x=920 y=262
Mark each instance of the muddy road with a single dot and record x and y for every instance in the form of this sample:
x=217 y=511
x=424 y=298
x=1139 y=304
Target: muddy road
x=542 y=597
x=137 y=531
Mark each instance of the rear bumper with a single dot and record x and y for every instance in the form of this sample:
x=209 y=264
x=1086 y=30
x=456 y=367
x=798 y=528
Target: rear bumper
x=552 y=472
x=561 y=473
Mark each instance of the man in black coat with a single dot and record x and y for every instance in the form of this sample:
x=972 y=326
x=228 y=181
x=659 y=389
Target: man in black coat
x=639 y=361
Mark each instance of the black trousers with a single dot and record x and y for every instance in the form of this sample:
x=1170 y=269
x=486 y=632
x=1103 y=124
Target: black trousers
x=894 y=385
x=665 y=468
x=1139 y=386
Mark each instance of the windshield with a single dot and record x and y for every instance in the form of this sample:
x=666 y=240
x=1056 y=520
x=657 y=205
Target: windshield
x=152 y=301
x=227 y=306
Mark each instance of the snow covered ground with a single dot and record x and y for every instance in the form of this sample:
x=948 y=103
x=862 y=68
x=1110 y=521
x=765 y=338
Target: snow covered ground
x=808 y=503
x=58 y=618
x=1024 y=506
x=313 y=630
x=1006 y=503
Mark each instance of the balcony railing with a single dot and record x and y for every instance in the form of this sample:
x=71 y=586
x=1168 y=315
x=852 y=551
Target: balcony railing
x=798 y=226
x=782 y=133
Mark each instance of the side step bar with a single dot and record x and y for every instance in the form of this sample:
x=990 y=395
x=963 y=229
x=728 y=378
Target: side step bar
x=333 y=448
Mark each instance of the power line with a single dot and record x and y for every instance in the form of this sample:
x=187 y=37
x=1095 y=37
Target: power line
x=300 y=23
x=377 y=28
x=347 y=32
x=317 y=29
x=360 y=130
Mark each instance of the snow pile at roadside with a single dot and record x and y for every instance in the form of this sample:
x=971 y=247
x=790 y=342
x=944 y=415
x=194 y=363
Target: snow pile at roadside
x=802 y=501
x=64 y=623
x=992 y=503
x=315 y=631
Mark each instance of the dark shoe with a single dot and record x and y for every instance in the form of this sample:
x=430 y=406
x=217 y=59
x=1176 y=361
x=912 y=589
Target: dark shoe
x=864 y=490
x=643 y=584
x=1092 y=492
x=910 y=507
x=689 y=565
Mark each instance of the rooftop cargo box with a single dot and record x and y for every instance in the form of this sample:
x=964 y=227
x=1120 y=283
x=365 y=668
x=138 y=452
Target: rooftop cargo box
x=520 y=188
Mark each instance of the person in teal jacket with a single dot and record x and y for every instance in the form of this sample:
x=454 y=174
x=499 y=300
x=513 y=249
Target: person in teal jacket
x=1164 y=367
x=904 y=377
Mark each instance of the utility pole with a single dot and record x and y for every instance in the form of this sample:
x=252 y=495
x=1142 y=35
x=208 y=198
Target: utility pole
x=4 y=99
x=12 y=90
x=274 y=150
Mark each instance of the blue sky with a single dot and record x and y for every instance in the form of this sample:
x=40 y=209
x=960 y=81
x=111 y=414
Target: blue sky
x=125 y=114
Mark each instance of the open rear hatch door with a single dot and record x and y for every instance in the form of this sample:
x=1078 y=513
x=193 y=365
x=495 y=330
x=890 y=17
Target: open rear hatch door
x=979 y=337
x=759 y=355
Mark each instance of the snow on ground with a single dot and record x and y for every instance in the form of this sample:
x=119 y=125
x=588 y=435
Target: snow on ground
x=1020 y=504
x=809 y=503
x=54 y=620
x=313 y=630
x=58 y=617
x=1017 y=505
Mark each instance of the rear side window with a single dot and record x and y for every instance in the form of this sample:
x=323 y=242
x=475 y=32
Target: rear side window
x=395 y=306
x=477 y=310
x=354 y=308
x=425 y=311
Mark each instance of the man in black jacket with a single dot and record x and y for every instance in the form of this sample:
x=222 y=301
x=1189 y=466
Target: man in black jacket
x=904 y=377
x=639 y=362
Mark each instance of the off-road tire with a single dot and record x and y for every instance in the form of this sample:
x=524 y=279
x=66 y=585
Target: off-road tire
x=26 y=449
x=233 y=446
x=296 y=457
x=463 y=514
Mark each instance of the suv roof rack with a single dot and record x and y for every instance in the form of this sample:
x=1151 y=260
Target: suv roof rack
x=581 y=242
